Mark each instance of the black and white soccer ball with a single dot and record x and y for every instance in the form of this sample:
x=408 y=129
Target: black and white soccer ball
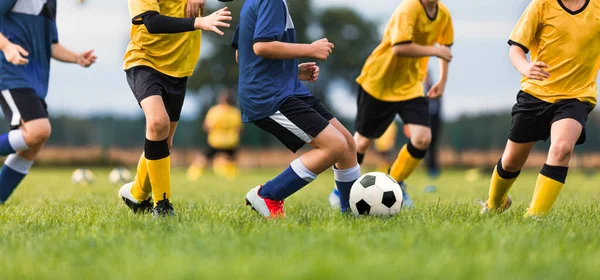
x=119 y=175
x=376 y=194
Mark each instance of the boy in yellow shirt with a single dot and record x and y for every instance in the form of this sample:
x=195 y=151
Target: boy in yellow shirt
x=558 y=91
x=391 y=81
x=223 y=123
x=162 y=53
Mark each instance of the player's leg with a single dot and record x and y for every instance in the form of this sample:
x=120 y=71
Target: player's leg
x=29 y=119
x=433 y=168
x=296 y=124
x=347 y=170
x=505 y=174
x=414 y=113
x=564 y=135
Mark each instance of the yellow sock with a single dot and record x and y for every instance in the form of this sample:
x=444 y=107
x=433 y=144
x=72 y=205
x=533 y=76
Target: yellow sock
x=544 y=196
x=406 y=163
x=141 y=185
x=499 y=190
x=159 y=172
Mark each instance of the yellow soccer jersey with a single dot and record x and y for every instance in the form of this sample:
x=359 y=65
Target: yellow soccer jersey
x=569 y=42
x=388 y=77
x=225 y=123
x=171 y=54
x=387 y=141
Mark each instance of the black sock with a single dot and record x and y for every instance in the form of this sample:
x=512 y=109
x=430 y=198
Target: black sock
x=507 y=175
x=414 y=152
x=155 y=150
x=360 y=157
x=556 y=173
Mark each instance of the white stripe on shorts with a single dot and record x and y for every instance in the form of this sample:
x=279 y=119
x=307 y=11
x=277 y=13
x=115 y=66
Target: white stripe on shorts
x=282 y=120
x=16 y=115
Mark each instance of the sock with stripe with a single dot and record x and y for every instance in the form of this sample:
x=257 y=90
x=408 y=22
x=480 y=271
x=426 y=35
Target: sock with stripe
x=500 y=184
x=344 y=179
x=13 y=171
x=142 y=188
x=547 y=188
x=294 y=178
x=158 y=164
x=12 y=142
x=408 y=159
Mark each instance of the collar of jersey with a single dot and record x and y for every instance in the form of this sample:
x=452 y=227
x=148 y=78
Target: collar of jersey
x=573 y=12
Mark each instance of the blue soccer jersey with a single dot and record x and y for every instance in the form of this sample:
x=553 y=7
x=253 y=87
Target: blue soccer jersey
x=30 y=24
x=264 y=84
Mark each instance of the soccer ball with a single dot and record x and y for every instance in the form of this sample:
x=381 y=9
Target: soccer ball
x=119 y=175
x=375 y=194
x=334 y=199
x=82 y=176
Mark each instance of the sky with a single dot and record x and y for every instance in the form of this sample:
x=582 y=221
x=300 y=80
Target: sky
x=481 y=77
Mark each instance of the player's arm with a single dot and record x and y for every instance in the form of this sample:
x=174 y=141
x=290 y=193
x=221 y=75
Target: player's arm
x=320 y=49
x=62 y=54
x=445 y=39
x=160 y=24
x=13 y=53
x=410 y=49
x=521 y=38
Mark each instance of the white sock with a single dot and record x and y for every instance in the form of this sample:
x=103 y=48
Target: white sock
x=16 y=140
x=347 y=175
x=18 y=163
x=302 y=171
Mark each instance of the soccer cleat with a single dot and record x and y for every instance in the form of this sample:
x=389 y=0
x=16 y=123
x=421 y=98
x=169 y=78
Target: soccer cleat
x=486 y=210
x=267 y=208
x=163 y=208
x=133 y=204
x=407 y=203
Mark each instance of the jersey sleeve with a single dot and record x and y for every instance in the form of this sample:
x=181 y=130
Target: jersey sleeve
x=54 y=33
x=270 y=21
x=403 y=25
x=210 y=117
x=526 y=29
x=447 y=35
x=6 y=6
x=236 y=37
x=137 y=9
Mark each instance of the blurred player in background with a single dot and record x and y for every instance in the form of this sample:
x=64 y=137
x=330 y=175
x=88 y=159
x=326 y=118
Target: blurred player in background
x=391 y=82
x=28 y=40
x=162 y=53
x=272 y=97
x=558 y=91
x=223 y=124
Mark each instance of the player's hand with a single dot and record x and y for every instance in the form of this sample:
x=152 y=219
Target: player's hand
x=308 y=72
x=436 y=91
x=86 y=58
x=321 y=49
x=213 y=21
x=194 y=8
x=535 y=71
x=444 y=53
x=15 y=54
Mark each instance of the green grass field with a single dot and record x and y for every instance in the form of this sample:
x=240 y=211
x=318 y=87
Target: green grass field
x=51 y=229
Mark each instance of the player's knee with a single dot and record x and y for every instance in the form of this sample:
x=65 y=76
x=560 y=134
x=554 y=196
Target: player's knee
x=158 y=126
x=421 y=141
x=351 y=145
x=561 y=150
x=338 y=146
x=38 y=135
x=362 y=143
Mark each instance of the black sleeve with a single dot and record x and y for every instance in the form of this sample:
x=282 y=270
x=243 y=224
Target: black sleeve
x=157 y=23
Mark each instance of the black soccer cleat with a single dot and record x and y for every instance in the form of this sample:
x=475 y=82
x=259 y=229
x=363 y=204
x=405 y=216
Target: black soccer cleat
x=143 y=207
x=163 y=208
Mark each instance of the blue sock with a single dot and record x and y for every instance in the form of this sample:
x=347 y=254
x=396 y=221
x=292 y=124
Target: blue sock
x=13 y=171
x=11 y=142
x=295 y=177
x=344 y=179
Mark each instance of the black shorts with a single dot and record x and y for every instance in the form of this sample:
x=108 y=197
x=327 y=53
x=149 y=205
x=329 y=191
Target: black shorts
x=211 y=152
x=145 y=81
x=532 y=118
x=22 y=104
x=298 y=119
x=375 y=116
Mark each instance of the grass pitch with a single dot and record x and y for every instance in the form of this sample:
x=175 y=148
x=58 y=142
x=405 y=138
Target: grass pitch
x=52 y=229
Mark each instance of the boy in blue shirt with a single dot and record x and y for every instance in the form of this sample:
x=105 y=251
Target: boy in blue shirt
x=28 y=40
x=272 y=97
